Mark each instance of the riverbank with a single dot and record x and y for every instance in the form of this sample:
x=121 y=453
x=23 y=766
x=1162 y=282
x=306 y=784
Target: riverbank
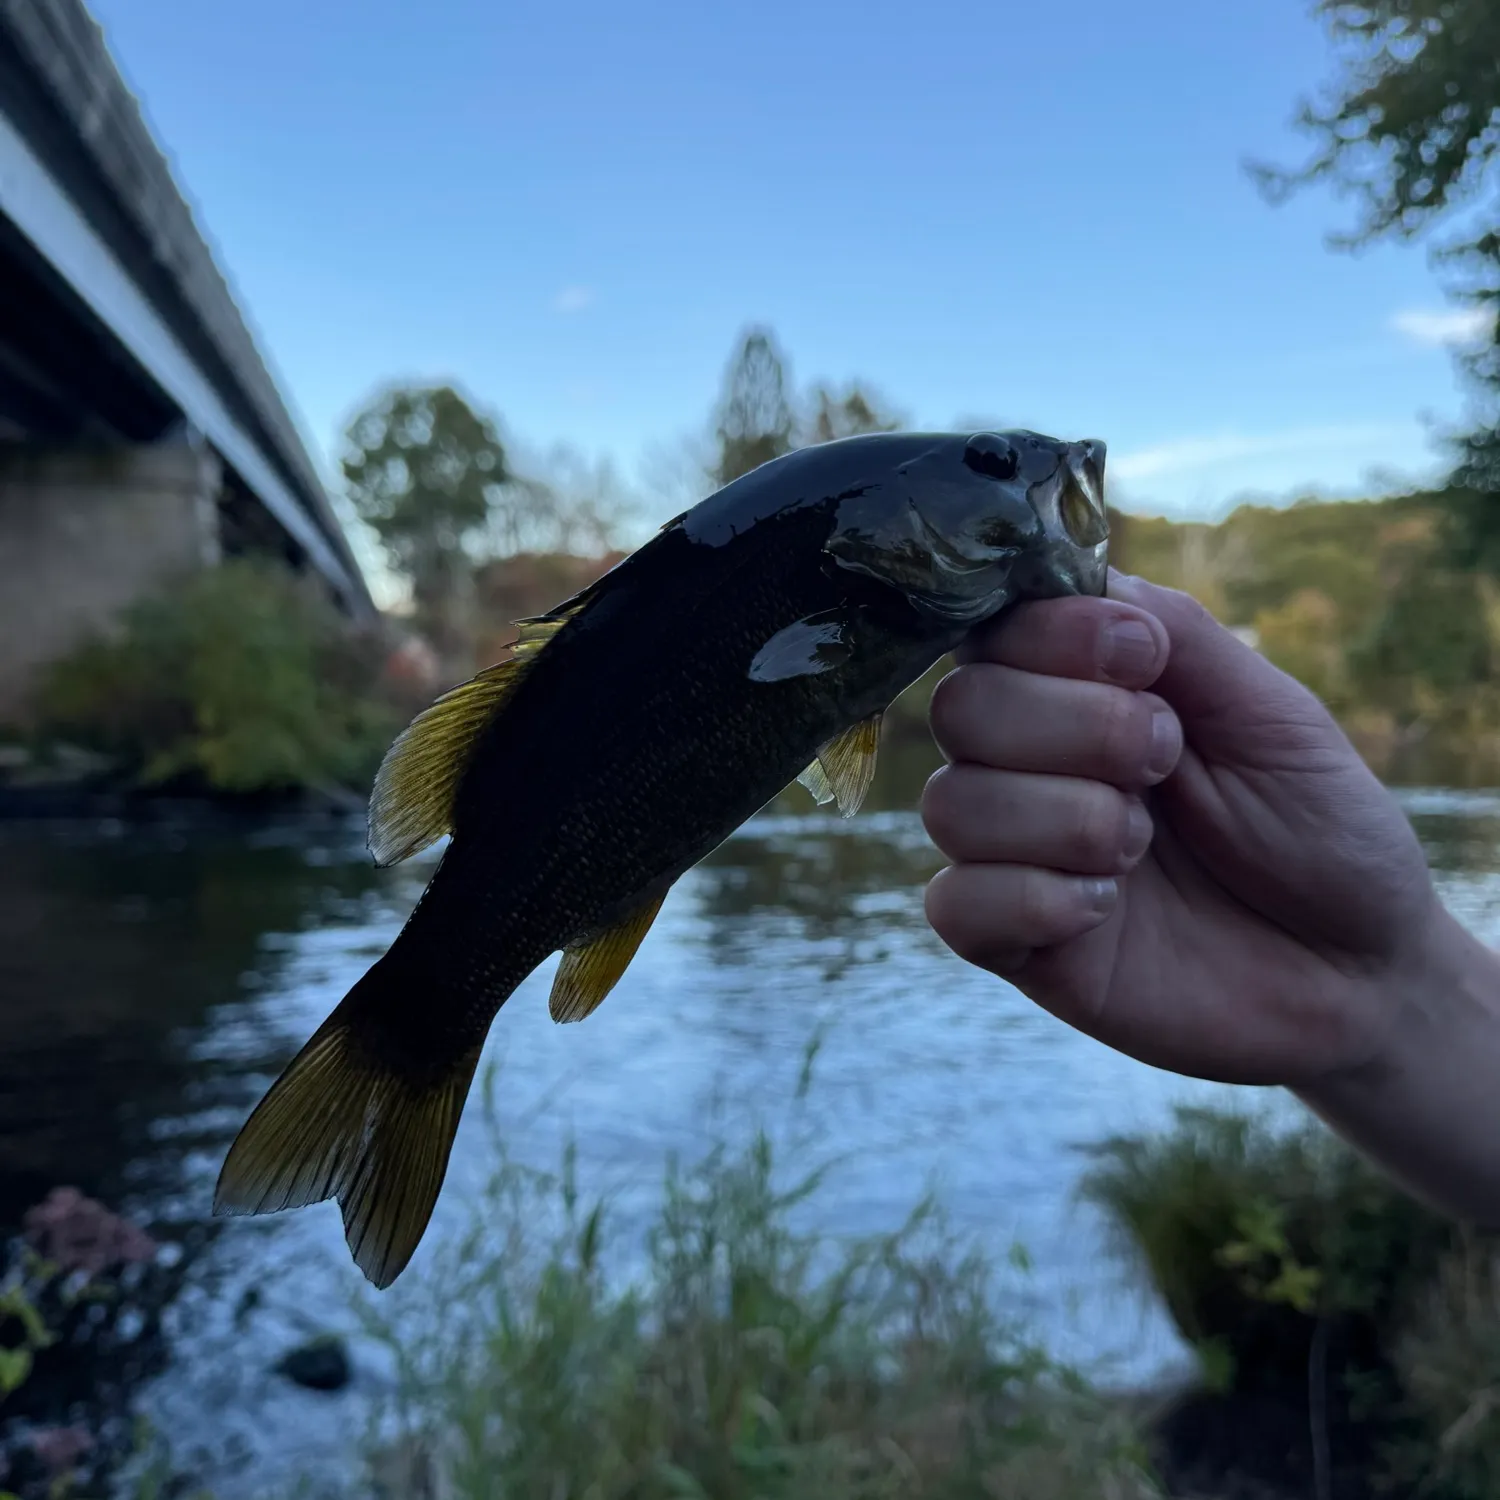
x=749 y=1356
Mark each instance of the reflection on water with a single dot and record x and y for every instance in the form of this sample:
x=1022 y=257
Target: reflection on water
x=152 y=982
x=115 y=947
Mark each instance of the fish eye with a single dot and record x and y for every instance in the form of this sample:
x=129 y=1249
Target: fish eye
x=989 y=454
x=1083 y=523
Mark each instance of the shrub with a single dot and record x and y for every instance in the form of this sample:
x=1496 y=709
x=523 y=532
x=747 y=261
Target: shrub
x=238 y=678
x=1448 y=1361
x=1253 y=1235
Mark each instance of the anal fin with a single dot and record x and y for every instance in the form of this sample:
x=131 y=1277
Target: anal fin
x=589 y=972
x=845 y=766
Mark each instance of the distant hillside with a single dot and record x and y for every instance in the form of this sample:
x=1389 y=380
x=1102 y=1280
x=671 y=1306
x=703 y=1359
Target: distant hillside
x=1358 y=600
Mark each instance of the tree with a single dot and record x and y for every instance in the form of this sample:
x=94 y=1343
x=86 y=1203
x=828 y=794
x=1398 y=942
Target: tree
x=578 y=507
x=425 y=471
x=857 y=410
x=1412 y=130
x=755 y=422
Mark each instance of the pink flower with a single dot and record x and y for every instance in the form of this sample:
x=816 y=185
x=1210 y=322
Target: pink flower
x=59 y=1448
x=79 y=1234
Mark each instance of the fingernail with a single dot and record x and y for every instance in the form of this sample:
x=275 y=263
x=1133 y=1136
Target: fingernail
x=1166 y=743
x=1128 y=651
x=1099 y=896
x=1138 y=832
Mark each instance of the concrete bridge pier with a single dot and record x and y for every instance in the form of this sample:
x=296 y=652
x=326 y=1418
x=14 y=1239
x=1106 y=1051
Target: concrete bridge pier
x=86 y=531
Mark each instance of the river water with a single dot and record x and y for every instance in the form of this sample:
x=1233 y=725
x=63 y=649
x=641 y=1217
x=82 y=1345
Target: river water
x=153 y=981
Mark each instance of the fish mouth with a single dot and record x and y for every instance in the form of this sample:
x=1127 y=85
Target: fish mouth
x=1081 y=503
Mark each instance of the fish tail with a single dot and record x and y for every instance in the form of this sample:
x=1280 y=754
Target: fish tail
x=365 y=1113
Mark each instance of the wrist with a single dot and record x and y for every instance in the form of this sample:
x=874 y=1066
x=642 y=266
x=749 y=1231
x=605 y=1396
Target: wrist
x=1425 y=1103
x=1444 y=986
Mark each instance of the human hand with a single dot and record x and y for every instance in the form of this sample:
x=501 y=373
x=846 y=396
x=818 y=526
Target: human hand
x=1168 y=843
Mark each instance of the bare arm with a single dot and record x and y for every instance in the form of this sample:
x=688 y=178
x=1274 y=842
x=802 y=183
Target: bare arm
x=1427 y=1107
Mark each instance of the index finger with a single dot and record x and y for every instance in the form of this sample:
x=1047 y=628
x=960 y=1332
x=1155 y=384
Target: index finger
x=1094 y=640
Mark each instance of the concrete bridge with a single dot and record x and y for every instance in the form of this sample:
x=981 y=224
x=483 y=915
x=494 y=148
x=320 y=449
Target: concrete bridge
x=140 y=432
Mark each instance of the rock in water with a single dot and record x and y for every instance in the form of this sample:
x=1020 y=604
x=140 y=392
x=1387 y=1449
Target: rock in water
x=321 y=1364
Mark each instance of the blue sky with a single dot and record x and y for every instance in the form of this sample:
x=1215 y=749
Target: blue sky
x=1025 y=213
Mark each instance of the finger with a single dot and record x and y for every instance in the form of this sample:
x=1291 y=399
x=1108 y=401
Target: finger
x=980 y=816
x=994 y=915
x=1095 y=640
x=1017 y=721
x=1212 y=673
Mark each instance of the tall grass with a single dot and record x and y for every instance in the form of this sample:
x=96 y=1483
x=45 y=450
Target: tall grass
x=745 y=1358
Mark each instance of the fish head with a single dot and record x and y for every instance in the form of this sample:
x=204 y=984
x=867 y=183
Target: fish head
x=969 y=523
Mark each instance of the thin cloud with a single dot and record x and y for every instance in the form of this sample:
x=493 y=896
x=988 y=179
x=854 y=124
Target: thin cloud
x=573 y=299
x=1441 y=327
x=1184 y=455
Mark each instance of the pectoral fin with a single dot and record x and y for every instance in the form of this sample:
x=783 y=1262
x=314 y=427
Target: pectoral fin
x=588 y=973
x=817 y=644
x=845 y=766
x=411 y=805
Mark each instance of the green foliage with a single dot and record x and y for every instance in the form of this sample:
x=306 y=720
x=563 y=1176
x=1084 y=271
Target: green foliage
x=1448 y=1360
x=755 y=422
x=855 y=411
x=422 y=469
x=31 y=1335
x=1410 y=125
x=759 y=416
x=1432 y=641
x=747 y=1360
x=239 y=678
x=1362 y=601
x=1251 y=1235
x=1411 y=128
x=1301 y=637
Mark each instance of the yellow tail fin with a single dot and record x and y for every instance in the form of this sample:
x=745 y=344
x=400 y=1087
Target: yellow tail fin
x=338 y=1124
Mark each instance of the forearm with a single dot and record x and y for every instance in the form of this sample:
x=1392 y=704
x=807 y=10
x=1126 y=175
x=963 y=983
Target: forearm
x=1428 y=1109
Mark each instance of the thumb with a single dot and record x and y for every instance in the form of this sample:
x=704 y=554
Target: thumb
x=1212 y=679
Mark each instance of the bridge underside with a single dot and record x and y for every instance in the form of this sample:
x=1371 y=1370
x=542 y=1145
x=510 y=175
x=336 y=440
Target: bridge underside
x=140 y=432
x=66 y=383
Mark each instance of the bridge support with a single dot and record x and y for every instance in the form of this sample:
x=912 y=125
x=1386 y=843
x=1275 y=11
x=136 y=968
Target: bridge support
x=85 y=533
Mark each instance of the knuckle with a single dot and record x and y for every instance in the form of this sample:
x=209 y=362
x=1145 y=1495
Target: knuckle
x=1034 y=903
x=1097 y=828
x=1124 y=732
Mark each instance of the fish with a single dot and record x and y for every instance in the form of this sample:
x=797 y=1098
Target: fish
x=756 y=640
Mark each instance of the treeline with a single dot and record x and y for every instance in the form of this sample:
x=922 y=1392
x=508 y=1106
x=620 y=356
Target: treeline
x=1375 y=604
x=478 y=538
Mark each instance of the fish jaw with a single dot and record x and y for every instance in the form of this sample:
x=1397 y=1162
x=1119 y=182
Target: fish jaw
x=1073 y=555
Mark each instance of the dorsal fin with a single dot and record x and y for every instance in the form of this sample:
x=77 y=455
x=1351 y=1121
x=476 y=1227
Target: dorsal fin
x=411 y=805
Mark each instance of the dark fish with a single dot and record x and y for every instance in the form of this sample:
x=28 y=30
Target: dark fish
x=755 y=640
